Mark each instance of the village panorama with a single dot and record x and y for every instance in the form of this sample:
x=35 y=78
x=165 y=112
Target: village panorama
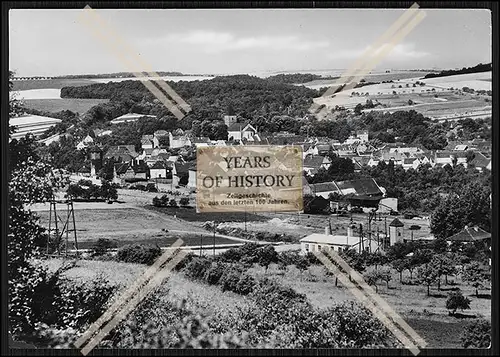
x=395 y=181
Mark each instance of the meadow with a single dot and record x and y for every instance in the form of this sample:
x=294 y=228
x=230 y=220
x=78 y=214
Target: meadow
x=55 y=105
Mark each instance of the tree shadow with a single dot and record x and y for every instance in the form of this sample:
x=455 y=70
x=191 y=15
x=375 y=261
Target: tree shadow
x=437 y=295
x=483 y=296
x=459 y=315
x=450 y=289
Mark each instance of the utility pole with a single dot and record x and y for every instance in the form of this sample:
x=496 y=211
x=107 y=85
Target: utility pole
x=201 y=244
x=361 y=243
x=215 y=225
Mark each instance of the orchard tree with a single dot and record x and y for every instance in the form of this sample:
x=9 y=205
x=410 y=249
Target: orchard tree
x=427 y=275
x=456 y=301
x=476 y=275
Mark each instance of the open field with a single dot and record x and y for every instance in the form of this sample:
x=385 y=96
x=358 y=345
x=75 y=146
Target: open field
x=50 y=83
x=124 y=223
x=189 y=214
x=372 y=77
x=54 y=105
x=440 y=98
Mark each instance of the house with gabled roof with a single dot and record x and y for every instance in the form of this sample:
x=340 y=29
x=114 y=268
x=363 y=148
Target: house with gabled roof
x=121 y=153
x=241 y=131
x=480 y=162
x=147 y=142
x=312 y=164
x=178 y=141
x=160 y=169
x=201 y=141
x=128 y=170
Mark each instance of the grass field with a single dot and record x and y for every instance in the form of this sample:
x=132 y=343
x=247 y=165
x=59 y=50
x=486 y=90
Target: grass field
x=50 y=83
x=190 y=215
x=55 y=105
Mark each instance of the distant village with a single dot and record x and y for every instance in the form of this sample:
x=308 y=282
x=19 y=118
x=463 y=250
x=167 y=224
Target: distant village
x=174 y=164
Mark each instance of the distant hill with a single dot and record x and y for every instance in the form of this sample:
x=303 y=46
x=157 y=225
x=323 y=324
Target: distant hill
x=466 y=70
x=118 y=75
x=295 y=78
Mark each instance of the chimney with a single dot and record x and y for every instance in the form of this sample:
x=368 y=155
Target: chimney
x=327 y=231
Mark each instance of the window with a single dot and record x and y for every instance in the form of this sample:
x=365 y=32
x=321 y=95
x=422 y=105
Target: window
x=307 y=247
x=399 y=234
x=319 y=247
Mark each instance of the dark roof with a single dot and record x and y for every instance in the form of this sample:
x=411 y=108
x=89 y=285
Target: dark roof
x=324 y=187
x=182 y=168
x=396 y=223
x=141 y=168
x=313 y=161
x=367 y=186
x=84 y=169
x=121 y=168
x=470 y=234
x=159 y=165
x=480 y=160
x=121 y=152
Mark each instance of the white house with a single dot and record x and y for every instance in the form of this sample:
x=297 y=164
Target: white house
x=178 y=141
x=88 y=140
x=323 y=242
x=241 y=131
x=159 y=170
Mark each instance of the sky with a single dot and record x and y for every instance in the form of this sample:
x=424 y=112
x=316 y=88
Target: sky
x=223 y=41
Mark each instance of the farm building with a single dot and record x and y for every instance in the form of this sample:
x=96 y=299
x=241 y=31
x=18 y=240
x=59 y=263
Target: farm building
x=324 y=242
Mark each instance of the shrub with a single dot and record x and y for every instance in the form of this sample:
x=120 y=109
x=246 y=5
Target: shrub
x=357 y=327
x=184 y=262
x=230 y=279
x=197 y=268
x=84 y=303
x=151 y=187
x=138 y=253
x=246 y=284
x=184 y=201
x=477 y=334
x=101 y=247
x=214 y=273
x=456 y=301
x=172 y=203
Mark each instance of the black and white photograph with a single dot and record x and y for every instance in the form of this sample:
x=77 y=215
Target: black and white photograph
x=250 y=178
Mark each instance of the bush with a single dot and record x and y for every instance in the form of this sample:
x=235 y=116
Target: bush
x=138 y=253
x=197 y=268
x=477 y=334
x=101 y=247
x=172 y=203
x=230 y=279
x=246 y=284
x=357 y=327
x=184 y=201
x=214 y=273
x=151 y=187
x=456 y=301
